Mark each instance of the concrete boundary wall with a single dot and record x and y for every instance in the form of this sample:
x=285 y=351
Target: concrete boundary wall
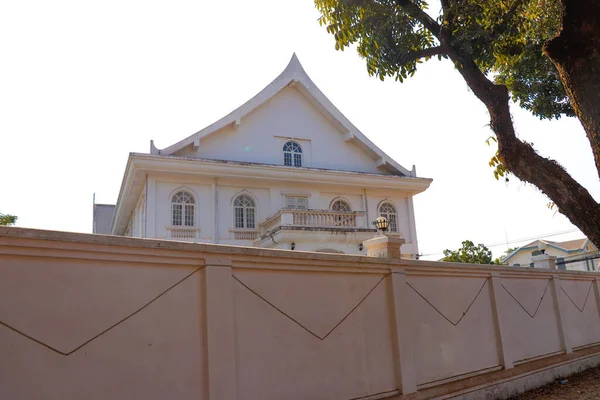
x=93 y=316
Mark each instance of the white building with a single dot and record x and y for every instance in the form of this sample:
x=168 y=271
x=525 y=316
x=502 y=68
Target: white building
x=285 y=170
x=576 y=255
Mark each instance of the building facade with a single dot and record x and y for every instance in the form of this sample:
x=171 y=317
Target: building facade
x=575 y=255
x=285 y=170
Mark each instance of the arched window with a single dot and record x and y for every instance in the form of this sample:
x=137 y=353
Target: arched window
x=292 y=154
x=388 y=211
x=183 y=209
x=340 y=205
x=244 y=211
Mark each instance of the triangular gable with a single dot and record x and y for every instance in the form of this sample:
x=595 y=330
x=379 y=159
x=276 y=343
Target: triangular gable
x=293 y=76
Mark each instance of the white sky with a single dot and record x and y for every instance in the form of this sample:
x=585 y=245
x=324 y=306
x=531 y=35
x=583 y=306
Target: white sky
x=83 y=83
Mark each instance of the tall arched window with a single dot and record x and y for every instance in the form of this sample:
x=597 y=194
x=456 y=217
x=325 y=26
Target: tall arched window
x=183 y=209
x=244 y=211
x=388 y=211
x=340 y=205
x=292 y=154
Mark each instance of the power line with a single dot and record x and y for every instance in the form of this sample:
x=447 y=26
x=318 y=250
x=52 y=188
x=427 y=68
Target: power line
x=514 y=241
x=590 y=255
x=532 y=238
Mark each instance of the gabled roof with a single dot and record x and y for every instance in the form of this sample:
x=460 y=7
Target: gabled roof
x=293 y=76
x=569 y=246
x=578 y=244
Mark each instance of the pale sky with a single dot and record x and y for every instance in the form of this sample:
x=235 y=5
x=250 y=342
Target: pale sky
x=82 y=84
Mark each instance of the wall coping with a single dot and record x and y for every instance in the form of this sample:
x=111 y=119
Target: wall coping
x=27 y=238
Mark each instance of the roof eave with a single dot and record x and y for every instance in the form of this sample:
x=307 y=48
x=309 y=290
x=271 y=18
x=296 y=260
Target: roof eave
x=276 y=172
x=118 y=206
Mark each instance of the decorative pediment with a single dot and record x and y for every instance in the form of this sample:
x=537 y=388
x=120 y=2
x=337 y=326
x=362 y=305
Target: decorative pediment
x=295 y=77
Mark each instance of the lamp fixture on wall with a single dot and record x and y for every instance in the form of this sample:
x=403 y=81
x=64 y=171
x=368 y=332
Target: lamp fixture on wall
x=382 y=224
x=360 y=247
x=293 y=245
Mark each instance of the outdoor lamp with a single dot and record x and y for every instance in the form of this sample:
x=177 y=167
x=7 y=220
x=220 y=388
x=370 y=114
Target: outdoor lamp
x=382 y=224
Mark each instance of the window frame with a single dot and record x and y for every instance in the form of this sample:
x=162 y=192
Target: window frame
x=293 y=154
x=296 y=206
x=248 y=219
x=187 y=209
x=340 y=200
x=393 y=222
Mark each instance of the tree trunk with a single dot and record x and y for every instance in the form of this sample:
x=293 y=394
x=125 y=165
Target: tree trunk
x=572 y=199
x=576 y=54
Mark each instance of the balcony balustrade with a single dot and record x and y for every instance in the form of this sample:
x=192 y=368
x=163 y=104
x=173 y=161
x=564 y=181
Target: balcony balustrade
x=316 y=219
x=182 y=232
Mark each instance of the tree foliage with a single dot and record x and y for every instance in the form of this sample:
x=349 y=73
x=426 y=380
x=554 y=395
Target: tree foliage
x=541 y=53
x=469 y=253
x=7 y=219
x=510 y=250
x=500 y=260
x=504 y=38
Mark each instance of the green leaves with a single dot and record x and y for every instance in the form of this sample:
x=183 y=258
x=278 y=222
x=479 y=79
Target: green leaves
x=469 y=253
x=489 y=140
x=499 y=168
x=504 y=37
x=384 y=35
x=7 y=219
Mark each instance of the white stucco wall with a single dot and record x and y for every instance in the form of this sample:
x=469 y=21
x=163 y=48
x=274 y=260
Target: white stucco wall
x=137 y=227
x=262 y=133
x=269 y=198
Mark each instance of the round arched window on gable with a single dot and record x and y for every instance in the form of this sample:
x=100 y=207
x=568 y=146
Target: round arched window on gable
x=244 y=210
x=388 y=211
x=183 y=209
x=292 y=154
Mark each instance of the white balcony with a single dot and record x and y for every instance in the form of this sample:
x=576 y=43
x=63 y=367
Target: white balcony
x=314 y=220
x=319 y=230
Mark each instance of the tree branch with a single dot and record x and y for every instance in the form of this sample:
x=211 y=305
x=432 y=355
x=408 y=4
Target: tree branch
x=447 y=14
x=415 y=55
x=499 y=29
x=572 y=199
x=511 y=12
x=417 y=13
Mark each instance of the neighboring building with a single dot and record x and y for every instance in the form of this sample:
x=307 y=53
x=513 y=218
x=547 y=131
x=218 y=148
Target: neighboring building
x=285 y=170
x=103 y=214
x=580 y=249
